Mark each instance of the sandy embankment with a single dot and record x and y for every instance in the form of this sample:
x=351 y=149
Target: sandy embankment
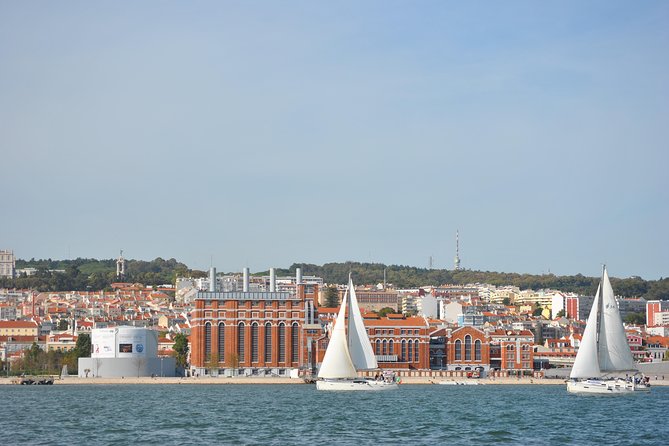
x=275 y=380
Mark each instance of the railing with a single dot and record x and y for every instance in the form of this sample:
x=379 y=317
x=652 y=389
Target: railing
x=250 y=295
x=386 y=358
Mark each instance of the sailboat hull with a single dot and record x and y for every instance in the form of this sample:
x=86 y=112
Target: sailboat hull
x=605 y=387
x=358 y=384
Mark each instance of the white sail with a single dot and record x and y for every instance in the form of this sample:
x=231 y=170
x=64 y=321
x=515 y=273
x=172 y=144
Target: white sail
x=359 y=346
x=337 y=360
x=586 y=364
x=614 y=350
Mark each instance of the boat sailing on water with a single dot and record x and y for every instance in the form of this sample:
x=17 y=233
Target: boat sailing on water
x=604 y=354
x=350 y=351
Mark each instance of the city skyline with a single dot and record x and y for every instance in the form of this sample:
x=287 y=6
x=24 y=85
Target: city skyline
x=241 y=134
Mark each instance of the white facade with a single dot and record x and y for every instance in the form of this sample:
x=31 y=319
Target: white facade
x=125 y=351
x=7 y=264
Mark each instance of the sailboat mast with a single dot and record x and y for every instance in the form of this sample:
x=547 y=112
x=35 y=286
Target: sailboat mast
x=599 y=298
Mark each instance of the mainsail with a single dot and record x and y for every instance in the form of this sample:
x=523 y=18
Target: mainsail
x=337 y=360
x=614 y=351
x=359 y=346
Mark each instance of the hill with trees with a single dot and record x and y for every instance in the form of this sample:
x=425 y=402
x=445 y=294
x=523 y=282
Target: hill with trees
x=91 y=274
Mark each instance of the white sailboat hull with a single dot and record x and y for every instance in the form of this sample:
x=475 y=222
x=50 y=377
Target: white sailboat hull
x=358 y=384
x=605 y=387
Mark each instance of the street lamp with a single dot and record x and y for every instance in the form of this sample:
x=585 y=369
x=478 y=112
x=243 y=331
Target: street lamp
x=161 y=367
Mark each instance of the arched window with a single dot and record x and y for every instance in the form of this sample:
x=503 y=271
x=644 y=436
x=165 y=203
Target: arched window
x=458 y=350
x=384 y=346
x=377 y=345
x=268 y=342
x=509 y=347
x=240 y=342
x=207 y=341
x=477 y=350
x=282 y=342
x=410 y=354
x=468 y=348
x=221 y=342
x=391 y=347
x=254 y=342
x=416 y=351
x=403 y=353
x=295 y=343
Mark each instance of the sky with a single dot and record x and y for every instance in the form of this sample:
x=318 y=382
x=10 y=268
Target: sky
x=265 y=133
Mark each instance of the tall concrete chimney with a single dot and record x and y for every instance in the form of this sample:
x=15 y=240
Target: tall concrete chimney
x=272 y=280
x=245 y=283
x=212 y=279
x=298 y=276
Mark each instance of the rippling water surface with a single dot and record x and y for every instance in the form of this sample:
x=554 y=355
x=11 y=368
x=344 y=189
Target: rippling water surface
x=298 y=414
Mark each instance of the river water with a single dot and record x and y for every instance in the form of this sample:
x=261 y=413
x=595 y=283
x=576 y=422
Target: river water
x=300 y=415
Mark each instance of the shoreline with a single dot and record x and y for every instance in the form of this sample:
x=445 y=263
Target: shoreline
x=73 y=380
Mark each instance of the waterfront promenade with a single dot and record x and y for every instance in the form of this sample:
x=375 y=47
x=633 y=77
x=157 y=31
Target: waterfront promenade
x=278 y=380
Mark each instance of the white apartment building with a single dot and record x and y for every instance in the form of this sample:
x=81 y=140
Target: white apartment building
x=7 y=264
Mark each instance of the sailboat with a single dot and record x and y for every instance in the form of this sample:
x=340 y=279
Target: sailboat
x=349 y=351
x=604 y=354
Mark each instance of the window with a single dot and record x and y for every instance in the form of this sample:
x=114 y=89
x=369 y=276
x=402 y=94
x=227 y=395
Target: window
x=477 y=350
x=221 y=342
x=254 y=342
x=403 y=356
x=384 y=347
x=416 y=351
x=240 y=342
x=207 y=341
x=268 y=342
x=377 y=346
x=468 y=348
x=282 y=342
x=295 y=345
x=458 y=350
x=391 y=347
x=410 y=355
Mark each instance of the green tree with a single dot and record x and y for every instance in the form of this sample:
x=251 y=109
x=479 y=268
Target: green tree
x=385 y=311
x=83 y=347
x=560 y=314
x=635 y=318
x=180 y=348
x=537 y=311
x=331 y=296
x=62 y=324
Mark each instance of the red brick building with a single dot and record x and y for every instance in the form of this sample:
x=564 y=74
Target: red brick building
x=255 y=332
x=468 y=349
x=512 y=351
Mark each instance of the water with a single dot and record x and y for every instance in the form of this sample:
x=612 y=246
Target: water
x=299 y=415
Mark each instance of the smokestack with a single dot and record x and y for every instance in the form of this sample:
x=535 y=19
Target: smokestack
x=245 y=282
x=298 y=275
x=272 y=280
x=212 y=279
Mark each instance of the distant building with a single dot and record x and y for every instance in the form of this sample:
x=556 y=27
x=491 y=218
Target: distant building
x=469 y=350
x=652 y=308
x=18 y=328
x=512 y=351
x=7 y=264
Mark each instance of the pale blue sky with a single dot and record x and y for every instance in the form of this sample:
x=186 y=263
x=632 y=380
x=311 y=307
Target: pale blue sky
x=267 y=133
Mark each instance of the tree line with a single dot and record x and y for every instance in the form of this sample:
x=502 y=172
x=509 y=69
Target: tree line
x=92 y=274
x=412 y=277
